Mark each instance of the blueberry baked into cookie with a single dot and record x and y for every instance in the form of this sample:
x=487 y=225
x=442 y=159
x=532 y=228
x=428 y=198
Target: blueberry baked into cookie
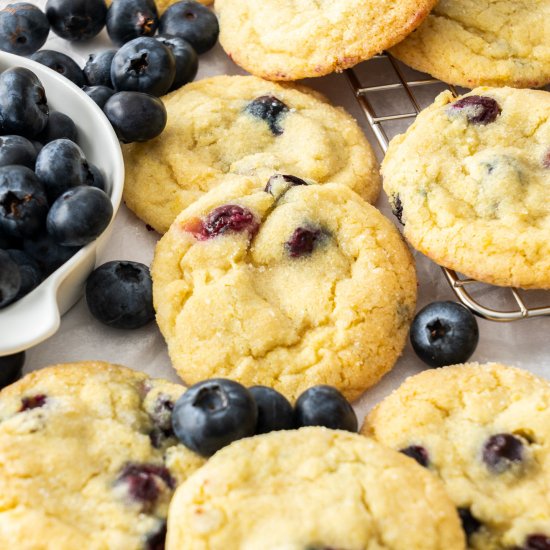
x=284 y=284
x=485 y=431
x=312 y=489
x=470 y=181
x=88 y=460
x=241 y=124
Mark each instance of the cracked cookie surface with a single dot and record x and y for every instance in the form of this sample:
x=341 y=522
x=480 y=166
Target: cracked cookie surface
x=483 y=43
x=303 y=285
x=310 y=489
x=293 y=39
x=485 y=431
x=470 y=180
x=244 y=125
x=87 y=459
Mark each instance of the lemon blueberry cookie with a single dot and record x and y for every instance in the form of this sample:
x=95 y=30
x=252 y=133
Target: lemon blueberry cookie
x=242 y=124
x=485 y=431
x=289 y=40
x=470 y=180
x=286 y=285
x=483 y=42
x=312 y=489
x=88 y=460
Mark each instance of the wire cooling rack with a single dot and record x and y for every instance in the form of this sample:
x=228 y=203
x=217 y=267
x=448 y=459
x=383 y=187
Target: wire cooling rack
x=406 y=93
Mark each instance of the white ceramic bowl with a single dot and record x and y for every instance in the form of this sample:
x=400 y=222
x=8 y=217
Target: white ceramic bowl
x=37 y=316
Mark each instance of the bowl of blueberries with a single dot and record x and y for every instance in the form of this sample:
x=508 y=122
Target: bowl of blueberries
x=61 y=181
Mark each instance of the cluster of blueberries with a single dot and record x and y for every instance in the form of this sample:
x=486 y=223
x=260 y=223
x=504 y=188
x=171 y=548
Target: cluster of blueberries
x=126 y=83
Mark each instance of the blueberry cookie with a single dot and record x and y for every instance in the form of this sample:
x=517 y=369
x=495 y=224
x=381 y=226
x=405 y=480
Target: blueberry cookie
x=483 y=43
x=88 y=460
x=244 y=125
x=312 y=489
x=292 y=39
x=485 y=431
x=470 y=180
x=284 y=284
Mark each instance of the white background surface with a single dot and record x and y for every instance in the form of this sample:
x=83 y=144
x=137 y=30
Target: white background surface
x=525 y=343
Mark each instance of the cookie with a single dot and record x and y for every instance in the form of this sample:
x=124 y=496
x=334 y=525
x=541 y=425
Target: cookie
x=285 y=285
x=470 y=180
x=485 y=431
x=289 y=40
x=241 y=124
x=312 y=489
x=483 y=43
x=87 y=459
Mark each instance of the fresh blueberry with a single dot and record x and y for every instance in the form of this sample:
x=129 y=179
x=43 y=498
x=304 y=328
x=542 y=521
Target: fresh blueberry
x=193 y=22
x=11 y=367
x=23 y=202
x=59 y=126
x=288 y=181
x=145 y=481
x=470 y=524
x=129 y=19
x=97 y=178
x=271 y=110
x=135 y=116
x=23 y=105
x=79 y=216
x=187 y=60
x=274 y=410
x=76 y=20
x=477 y=109
x=397 y=208
x=156 y=540
x=212 y=414
x=420 y=454
x=535 y=542
x=229 y=218
x=10 y=279
x=100 y=94
x=9 y=242
x=325 y=406
x=60 y=166
x=303 y=241
x=24 y=28
x=33 y=402
x=47 y=253
x=444 y=333
x=501 y=451
x=62 y=64
x=98 y=68
x=37 y=145
x=31 y=274
x=17 y=150
x=143 y=65
x=120 y=294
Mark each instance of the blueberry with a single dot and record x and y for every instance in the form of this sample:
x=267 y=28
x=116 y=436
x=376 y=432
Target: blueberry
x=97 y=69
x=420 y=454
x=271 y=110
x=192 y=22
x=501 y=451
x=162 y=421
x=10 y=279
x=17 y=150
x=303 y=241
x=156 y=540
x=76 y=20
x=23 y=203
x=470 y=524
x=37 y=145
x=135 y=116
x=11 y=367
x=23 y=105
x=129 y=19
x=535 y=542
x=397 y=208
x=60 y=166
x=187 y=60
x=212 y=414
x=120 y=294
x=31 y=274
x=97 y=179
x=33 y=402
x=444 y=333
x=79 y=216
x=145 y=481
x=477 y=109
x=100 y=94
x=143 y=65
x=325 y=406
x=287 y=180
x=24 y=28
x=47 y=253
x=62 y=64
x=59 y=126
x=8 y=241
x=229 y=218
x=274 y=410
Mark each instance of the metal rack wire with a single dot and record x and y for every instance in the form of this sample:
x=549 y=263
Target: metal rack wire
x=520 y=306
